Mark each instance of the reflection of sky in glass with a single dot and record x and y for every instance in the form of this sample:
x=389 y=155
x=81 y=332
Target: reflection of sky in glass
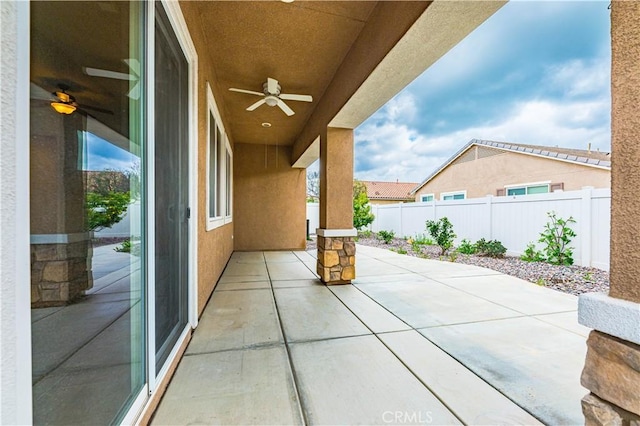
x=101 y=155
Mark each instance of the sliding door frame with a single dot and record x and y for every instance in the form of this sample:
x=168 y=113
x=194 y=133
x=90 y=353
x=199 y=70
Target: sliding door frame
x=179 y=27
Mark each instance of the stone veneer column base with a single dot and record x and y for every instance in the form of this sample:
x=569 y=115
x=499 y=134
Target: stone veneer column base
x=612 y=366
x=612 y=371
x=599 y=412
x=60 y=272
x=336 y=259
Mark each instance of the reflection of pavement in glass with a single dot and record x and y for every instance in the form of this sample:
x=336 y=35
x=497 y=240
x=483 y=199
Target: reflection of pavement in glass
x=82 y=361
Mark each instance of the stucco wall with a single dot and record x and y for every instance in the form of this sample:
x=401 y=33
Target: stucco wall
x=15 y=333
x=484 y=176
x=215 y=246
x=269 y=206
x=625 y=129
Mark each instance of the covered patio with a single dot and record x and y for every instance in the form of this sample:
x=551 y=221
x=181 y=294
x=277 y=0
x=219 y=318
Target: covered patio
x=412 y=341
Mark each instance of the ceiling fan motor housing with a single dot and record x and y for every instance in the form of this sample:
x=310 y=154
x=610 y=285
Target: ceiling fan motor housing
x=265 y=89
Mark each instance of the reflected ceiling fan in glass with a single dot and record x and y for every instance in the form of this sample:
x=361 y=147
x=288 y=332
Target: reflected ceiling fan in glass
x=133 y=75
x=63 y=102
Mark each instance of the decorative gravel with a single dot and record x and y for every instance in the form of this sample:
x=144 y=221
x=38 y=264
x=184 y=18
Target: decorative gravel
x=567 y=279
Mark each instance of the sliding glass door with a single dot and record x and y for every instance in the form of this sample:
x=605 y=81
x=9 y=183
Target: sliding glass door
x=171 y=188
x=87 y=244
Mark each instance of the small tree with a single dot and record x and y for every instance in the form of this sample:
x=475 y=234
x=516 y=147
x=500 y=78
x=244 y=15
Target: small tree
x=108 y=196
x=362 y=215
x=442 y=231
x=557 y=236
x=105 y=210
x=313 y=187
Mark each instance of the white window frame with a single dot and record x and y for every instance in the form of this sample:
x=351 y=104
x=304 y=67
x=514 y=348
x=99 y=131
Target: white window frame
x=228 y=176
x=422 y=196
x=526 y=187
x=226 y=183
x=452 y=193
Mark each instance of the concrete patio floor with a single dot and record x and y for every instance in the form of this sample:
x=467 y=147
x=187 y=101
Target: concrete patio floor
x=412 y=341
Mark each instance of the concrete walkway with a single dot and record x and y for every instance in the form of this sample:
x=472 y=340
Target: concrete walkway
x=413 y=341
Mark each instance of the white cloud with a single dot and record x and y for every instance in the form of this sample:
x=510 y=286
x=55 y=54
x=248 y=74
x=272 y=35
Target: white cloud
x=395 y=151
x=580 y=78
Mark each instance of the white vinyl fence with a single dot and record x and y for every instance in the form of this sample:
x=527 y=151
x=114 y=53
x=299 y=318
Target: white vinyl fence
x=515 y=221
x=313 y=216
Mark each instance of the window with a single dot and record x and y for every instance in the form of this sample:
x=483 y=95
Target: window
x=219 y=170
x=458 y=195
x=528 y=189
x=425 y=198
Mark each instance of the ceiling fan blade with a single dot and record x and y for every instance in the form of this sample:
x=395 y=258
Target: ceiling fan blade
x=272 y=85
x=249 y=92
x=95 y=72
x=256 y=105
x=285 y=108
x=97 y=109
x=301 y=98
x=37 y=92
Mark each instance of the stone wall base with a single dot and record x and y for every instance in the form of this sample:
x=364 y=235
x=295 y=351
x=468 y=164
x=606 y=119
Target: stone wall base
x=598 y=412
x=612 y=371
x=60 y=272
x=336 y=260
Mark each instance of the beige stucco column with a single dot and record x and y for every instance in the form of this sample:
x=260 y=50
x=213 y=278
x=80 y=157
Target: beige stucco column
x=336 y=246
x=60 y=244
x=612 y=366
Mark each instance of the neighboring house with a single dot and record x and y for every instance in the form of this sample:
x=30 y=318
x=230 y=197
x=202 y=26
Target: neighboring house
x=389 y=192
x=483 y=168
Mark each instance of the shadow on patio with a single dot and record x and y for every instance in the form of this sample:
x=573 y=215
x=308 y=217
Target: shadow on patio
x=412 y=341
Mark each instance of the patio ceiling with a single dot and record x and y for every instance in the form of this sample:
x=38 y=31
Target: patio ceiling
x=301 y=44
x=351 y=56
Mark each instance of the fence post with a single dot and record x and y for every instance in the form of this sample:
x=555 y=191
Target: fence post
x=490 y=215
x=400 y=234
x=586 y=225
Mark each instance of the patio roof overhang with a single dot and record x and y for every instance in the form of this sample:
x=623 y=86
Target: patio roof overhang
x=351 y=56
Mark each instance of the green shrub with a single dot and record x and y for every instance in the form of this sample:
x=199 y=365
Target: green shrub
x=557 y=236
x=491 y=248
x=423 y=240
x=386 y=236
x=442 y=232
x=124 y=247
x=401 y=250
x=105 y=209
x=466 y=247
x=365 y=234
x=531 y=254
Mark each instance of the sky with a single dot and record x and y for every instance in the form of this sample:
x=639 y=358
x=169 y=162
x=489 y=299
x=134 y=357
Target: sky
x=101 y=155
x=536 y=72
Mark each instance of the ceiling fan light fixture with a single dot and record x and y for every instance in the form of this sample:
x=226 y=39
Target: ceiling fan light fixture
x=271 y=100
x=63 y=108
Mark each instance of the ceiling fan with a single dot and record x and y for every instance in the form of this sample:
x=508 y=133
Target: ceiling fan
x=272 y=96
x=62 y=101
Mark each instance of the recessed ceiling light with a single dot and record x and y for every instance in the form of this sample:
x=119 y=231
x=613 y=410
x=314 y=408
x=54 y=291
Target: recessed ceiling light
x=286 y=1
x=266 y=124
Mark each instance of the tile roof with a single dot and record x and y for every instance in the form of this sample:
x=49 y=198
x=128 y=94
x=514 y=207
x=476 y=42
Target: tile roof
x=578 y=156
x=377 y=190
